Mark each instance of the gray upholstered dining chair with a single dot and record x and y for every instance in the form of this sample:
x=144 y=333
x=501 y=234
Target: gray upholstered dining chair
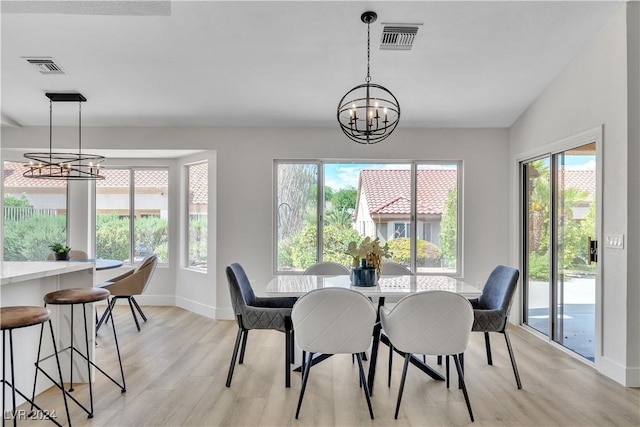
x=491 y=309
x=333 y=321
x=326 y=268
x=254 y=312
x=432 y=323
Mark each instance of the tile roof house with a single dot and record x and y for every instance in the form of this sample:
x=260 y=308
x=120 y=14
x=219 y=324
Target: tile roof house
x=151 y=188
x=383 y=204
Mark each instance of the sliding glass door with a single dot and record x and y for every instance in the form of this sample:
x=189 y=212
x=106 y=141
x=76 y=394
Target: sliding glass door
x=559 y=225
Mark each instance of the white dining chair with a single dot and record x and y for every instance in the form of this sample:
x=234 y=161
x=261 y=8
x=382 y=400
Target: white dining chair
x=326 y=268
x=390 y=268
x=333 y=321
x=431 y=323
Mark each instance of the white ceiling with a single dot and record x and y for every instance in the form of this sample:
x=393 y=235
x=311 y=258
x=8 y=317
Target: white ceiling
x=211 y=63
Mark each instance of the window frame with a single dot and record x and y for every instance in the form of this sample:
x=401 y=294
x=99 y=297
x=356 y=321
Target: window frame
x=414 y=166
x=187 y=183
x=131 y=210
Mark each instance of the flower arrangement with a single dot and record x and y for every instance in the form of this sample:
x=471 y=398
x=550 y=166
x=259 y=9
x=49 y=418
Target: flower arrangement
x=369 y=252
x=59 y=248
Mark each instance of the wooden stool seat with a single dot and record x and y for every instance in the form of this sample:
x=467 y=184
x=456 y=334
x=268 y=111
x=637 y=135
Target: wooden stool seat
x=76 y=296
x=72 y=298
x=22 y=316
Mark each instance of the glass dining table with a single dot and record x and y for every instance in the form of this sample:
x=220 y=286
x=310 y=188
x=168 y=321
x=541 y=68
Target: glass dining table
x=387 y=287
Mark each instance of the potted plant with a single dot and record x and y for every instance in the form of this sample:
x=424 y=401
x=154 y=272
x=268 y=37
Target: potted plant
x=369 y=254
x=61 y=251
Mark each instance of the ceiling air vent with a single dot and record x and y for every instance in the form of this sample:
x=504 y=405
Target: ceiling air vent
x=46 y=65
x=398 y=37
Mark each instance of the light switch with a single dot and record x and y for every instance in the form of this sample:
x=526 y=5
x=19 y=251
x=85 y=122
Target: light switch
x=614 y=241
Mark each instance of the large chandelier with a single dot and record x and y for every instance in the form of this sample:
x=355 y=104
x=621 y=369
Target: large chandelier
x=368 y=113
x=67 y=166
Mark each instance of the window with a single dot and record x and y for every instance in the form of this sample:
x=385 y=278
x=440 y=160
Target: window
x=197 y=204
x=295 y=215
x=426 y=231
x=401 y=229
x=132 y=214
x=364 y=199
x=35 y=214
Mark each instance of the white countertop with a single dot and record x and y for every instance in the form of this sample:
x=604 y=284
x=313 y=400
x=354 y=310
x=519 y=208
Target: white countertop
x=17 y=271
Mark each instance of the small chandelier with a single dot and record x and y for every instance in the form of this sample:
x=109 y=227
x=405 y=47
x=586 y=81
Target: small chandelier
x=368 y=113
x=67 y=166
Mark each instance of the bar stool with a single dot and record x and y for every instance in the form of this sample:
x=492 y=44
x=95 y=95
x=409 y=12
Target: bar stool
x=21 y=317
x=74 y=297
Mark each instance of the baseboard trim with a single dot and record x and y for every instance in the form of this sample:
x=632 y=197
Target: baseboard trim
x=628 y=377
x=196 y=307
x=225 y=314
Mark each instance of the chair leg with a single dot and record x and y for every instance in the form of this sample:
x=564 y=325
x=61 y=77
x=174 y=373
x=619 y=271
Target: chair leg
x=133 y=313
x=305 y=377
x=363 y=381
x=439 y=360
x=287 y=358
x=135 y=303
x=234 y=357
x=390 y=365
x=245 y=337
x=487 y=343
x=461 y=358
x=464 y=387
x=446 y=359
x=407 y=357
x=123 y=387
x=513 y=360
x=107 y=313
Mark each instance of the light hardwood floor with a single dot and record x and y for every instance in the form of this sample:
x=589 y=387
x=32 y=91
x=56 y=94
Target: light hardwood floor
x=177 y=365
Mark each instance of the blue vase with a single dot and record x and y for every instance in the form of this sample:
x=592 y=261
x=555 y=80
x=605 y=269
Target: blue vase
x=363 y=275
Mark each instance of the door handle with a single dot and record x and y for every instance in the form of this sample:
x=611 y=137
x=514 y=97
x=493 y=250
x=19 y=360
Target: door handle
x=593 y=250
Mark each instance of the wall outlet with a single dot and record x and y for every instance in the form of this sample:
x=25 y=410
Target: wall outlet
x=614 y=241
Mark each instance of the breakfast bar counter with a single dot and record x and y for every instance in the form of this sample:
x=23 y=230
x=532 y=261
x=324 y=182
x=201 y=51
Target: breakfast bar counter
x=26 y=283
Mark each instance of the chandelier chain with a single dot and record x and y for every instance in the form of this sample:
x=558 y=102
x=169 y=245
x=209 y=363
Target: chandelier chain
x=368 y=79
x=80 y=129
x=50 y=128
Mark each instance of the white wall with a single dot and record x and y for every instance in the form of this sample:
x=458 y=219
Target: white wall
x=196 y=290
x=591 y=91
x=242 y=176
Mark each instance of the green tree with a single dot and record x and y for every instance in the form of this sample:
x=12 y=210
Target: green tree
x=112 y=237
x=344 y=198
x=21 y=202
x=338 y=217
x=449 y=229
x=428 y=254
x=28 y=239
x=336 y=240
